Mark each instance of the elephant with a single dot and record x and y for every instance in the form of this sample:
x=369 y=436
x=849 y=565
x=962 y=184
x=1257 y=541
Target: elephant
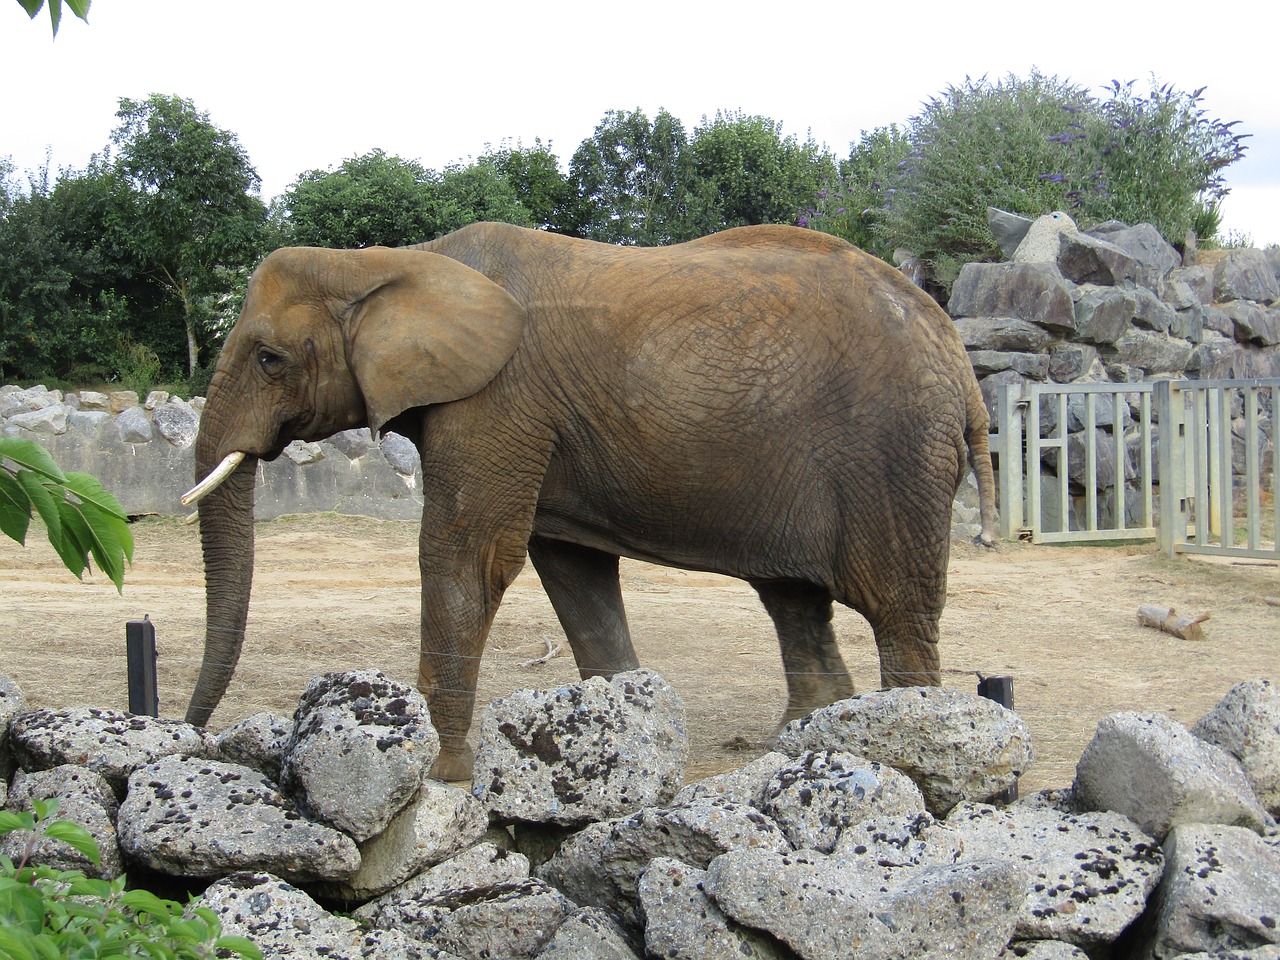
x=767 y=402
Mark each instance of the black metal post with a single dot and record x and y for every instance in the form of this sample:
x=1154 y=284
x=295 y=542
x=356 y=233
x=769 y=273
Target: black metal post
x=999 y=689
x=140 y=647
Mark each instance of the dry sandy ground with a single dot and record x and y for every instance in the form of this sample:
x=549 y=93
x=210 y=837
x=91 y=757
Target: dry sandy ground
x=335 y=593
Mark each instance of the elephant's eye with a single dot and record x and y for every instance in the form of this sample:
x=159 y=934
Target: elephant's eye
x=269 y=360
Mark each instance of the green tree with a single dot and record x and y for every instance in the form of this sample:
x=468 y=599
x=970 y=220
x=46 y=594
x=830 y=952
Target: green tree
x=754 y=173
x=474 y=192
x=636 y=183
x=79 y=7
x=851 y=204
x=534 y=174
x=376 y=199
x=188 y=210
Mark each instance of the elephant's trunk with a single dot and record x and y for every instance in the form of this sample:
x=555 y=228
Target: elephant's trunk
x=226 y=535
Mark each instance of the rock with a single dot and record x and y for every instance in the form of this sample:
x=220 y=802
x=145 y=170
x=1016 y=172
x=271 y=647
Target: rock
x=1151 y=312
x=302 y=453
x=1153 y=352
x=1151 y=769
x=1245 y=275
x=177 y=422
x=353 y=444
x=92 y=423
x=1085 y=259
x=682 y=922
x=1044 y=950
x=884 y=848
x=156 y=398
x=284 y=922
x=1221 y=890
x=1250 y=323
x=1246 y=723
x=190 y=817
x=1009 y=229
x=1041 y=243
x=745 y=786
x=12 y=702
x=1032 y=365
x=121 y=400
x=110 y=742
x=401 y=454
x=134 y=426
x=591 y=751
x=1106 y=471
x=50 y=420
x=84 y=798
x=588 y=934
x=600 y=866
x=441 y=822
x=360 y=748
x=823 y=912
x=1026 y=291
x=1001 y=334
x=257 y=741
x=1091 y=873
x=1156 y=257
x=820 y=794
x=1102 y=314
x=92 y=400
x=481 y=867
x=1069 y=362
x=955 y=746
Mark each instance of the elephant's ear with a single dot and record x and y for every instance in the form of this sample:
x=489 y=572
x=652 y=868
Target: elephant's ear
x=429 y=330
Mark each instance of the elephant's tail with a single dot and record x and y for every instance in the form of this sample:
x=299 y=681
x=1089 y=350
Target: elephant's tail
x=977 y=436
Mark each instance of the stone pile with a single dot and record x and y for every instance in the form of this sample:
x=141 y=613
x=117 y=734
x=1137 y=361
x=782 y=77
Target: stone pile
x=872 y=831
x=1116 y=304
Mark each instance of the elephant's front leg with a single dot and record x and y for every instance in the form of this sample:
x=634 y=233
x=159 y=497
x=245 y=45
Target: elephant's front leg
x=582 y=584
x=815 y=671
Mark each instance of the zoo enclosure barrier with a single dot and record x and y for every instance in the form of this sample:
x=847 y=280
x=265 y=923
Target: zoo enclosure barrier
x=1085 y=462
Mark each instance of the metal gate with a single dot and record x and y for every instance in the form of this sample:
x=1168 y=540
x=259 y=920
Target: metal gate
x=1083 y=462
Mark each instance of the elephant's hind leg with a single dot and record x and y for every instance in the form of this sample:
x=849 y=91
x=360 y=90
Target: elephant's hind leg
x=816 y=674
x=582 y=584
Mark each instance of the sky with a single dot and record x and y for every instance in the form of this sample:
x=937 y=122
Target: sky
x=306 y=85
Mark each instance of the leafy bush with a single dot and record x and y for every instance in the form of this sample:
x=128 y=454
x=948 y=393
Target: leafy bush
x=852 y=204
x=139 y=367
x=47 y=913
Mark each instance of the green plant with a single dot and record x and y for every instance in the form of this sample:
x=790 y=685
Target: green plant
x=80 y=518
x=47 y=913
x=139 y=367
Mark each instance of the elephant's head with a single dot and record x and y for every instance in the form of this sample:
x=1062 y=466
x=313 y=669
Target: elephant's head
x=328 y=340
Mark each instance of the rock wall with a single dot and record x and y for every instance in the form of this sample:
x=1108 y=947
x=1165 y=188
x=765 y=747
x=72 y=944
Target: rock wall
x=875 y=830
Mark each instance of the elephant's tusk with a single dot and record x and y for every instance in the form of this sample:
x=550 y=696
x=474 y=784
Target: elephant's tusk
x=213 y=480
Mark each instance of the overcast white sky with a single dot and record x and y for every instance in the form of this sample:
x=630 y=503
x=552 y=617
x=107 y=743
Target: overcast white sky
x=306 y=85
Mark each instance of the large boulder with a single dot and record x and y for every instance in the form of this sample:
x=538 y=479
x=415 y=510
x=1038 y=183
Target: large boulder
x=954 y=745
x=1246 y=723
x=1245 y=274
x=84 y=798
x=1035 y=292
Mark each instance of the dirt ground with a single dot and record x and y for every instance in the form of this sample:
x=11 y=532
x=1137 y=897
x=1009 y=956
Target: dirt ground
x=334 y=593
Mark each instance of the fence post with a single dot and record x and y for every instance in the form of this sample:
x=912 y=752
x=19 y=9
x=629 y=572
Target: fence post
x=140 y=649
x=1009 y=453
x=1000 y=689
x=1171 y=466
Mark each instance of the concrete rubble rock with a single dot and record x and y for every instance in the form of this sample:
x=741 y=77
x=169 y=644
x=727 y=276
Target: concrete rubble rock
x=1151 y=769
x=1044 y=950
x=1090 y=873
x=174 y=820
x=954 y=745
x=588 y=934
x=110 y=742
x=12 y=702
x=84 y=798
x=1221 y=891
x=590 y=751
x=360 y=748
x=257 y=741
x=1246 y=723
x=746 y=785
x=479 y=867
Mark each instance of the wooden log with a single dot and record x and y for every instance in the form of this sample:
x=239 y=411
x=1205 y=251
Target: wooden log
x=1185 y=627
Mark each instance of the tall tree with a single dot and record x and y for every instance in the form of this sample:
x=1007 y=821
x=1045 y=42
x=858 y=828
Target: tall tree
x=755 y=174
x=636 y=182
x=190 y=211
x=534 y=174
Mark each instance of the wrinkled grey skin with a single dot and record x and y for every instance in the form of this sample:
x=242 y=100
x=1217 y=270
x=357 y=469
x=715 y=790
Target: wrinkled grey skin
x=768 y=403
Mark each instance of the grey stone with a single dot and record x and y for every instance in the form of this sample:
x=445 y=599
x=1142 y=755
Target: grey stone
x=1035 y=366
x=746 y=785
x=1069 y=362
x=1245 y=274
x=1152 y=312
x=1009 y=229
x=1106 y=472
x=19 y=401
x=121 y=400
x=1253 y=953
x=954 y=745
x=1085 y=259
x=823 y=912
x=92 y=400
x=1246 y=723
x=284 y=922
x=991 y=387
x=50 y=420
x=1026 y=291
x=84 y=798
x=110 y=742
x=401 y=454
x=1002 y=334
x=1151 y=769
x=156 y=398
x=1250 y=322
x=1153 y=352
x=590 y=751
x=1221 y=891
x=1102 y=314
x=257 y=741
x=134 y=426
x=1091 y=873
x=177 y=422
x=682 y=922
x=1044 y=950
x=480 y=867
x=883 y=848
x=360 y=748
x=203 y=818
x=353 y=444
x=441 y=822
x=91 y=423
x=302 y=453
x=1198 y=278
x=1041 y=244
x=600 y=866
x=12 y=702
x=1155 y=256
x=588 y=934
x=821 y=793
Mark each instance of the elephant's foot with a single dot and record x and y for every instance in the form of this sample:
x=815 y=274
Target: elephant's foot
x=813 y=692
x=454 y=764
